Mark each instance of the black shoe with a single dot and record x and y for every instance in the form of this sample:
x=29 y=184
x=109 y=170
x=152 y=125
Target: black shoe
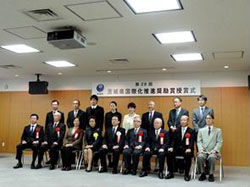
x=169 y=176
x=103 y=170
x=32 y=166
x=114 y=171
x=19 y=165
x=143 y=174
x=126 y=172
x=52 y=167
x=160 y=175
x=68 y=169
x=133 y=172
x=38 y=166
x=48 y=162
x=187 y=177
x=156 y=170
x=211 y=178
x=202 y=177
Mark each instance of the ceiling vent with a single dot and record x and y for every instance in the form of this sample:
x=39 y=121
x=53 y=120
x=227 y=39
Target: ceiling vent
x=42 y=14
x=119 y=61
x=9 y=66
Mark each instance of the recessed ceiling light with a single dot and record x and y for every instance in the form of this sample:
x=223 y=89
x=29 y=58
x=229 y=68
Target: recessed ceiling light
x=187 y=57
x=60 y=63
x=144 y=6
x=109 y=71
x=16 y=75
x=175 y=37
x=60 y=73
x=20 y=48
x=226 y=67
x=164 y=69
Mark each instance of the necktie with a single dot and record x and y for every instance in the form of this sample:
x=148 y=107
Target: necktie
x=156 y=134
x=202 y=112
x=177 y=113
x=135 y=131
x=183 y=132
x=150 y=117
x=54 y=126
x=113 y=131
x=31 y=129
x=75 y=113
x=209 y=130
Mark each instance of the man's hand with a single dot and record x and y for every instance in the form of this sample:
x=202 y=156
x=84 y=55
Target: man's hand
x=138 y=147
x=55 y=143
x=24 y=142
x=104 y=146
x=147 y=149
x=126 y=147
x=188 y=151
x=35 y=142
x=45 y=143
x=68 y=145
x=170 y=149
x=115 y=146
x=161 y=150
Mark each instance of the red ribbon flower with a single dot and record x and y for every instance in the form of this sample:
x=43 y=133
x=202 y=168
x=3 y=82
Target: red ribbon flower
x=161 y=134
x=38 y=129
x=58 y=129
x=140 y=133
x=187 y=135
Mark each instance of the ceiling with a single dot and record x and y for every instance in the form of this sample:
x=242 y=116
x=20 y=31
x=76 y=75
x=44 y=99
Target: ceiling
x=114 y=31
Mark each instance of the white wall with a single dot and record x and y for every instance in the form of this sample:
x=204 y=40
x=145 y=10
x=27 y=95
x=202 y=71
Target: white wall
x=208 y=79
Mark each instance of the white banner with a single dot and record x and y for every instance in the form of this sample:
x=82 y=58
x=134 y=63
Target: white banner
x=147 y=88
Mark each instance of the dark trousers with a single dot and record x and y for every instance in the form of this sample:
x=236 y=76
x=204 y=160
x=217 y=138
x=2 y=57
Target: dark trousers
x=115 y=153
x=147 y=156
x=67 y=156
x=21 y=147
x=53 y=152
x=135 y=155
x=180 y=164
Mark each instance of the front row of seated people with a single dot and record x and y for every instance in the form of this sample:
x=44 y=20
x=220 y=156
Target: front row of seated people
x=137 y=142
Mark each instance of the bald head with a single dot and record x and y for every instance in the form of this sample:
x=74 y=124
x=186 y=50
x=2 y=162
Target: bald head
x=184 y=120
x=57 y=116
x=157 y=123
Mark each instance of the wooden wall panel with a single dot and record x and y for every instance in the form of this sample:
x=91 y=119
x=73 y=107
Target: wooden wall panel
x=230 y=106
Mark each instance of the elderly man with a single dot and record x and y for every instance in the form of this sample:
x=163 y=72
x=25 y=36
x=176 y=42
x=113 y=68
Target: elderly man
x=149 y=117
x=136 y=140
x=181 y=145
x=209 y=143
x=156 y=145
x=53 y=140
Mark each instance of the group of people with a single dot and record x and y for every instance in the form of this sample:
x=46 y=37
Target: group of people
x=101 y=135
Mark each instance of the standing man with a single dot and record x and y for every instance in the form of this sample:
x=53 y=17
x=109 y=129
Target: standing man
x=113 y=142
x=209 y=144
x=32 y=137
x=49 y=116
x=77 y=112
x=149 y=117
x=135 y=143
x=156 y=146
x=181 y=145
x=53 y=141
x=199 y=114
x=175 y=114
x=96 y=111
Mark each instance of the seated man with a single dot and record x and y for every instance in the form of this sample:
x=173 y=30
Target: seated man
x=156 y=145
x=134 y=146
x=181 y=144
x=209 y=143
x=113 y=142
x=53 y=140
x=31 y=138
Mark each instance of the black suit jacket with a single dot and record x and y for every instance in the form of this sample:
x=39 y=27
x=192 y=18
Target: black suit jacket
x=132 y=139
x=50 y=118
x=37 y=135
x=111 y=140
x=98 y=112
x=51 y=133
x=81 y=115
x=172 y=120
x=155 y=143
x=149 y=125
x=179 y=144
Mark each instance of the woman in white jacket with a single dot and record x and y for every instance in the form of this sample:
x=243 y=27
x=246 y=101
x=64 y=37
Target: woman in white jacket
x=128 y=120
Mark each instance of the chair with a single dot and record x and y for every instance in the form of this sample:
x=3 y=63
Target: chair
x=78 y=157
x=221 y=170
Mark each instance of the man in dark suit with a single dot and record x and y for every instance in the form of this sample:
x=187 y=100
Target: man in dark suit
x=156 y=145
x=114 y=140
x=53 y=140
x=77 y=112
x=181 y=145
x=135 y=143
x=49 y=116
x=97 y=111
x=149 y=117
x=175 y=114
x=32 y=137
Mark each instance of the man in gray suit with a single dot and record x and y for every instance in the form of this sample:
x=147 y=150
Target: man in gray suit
x=200 y=113
x=209 y=143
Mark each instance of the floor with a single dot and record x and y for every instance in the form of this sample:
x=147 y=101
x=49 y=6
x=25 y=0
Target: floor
x=234 y=177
